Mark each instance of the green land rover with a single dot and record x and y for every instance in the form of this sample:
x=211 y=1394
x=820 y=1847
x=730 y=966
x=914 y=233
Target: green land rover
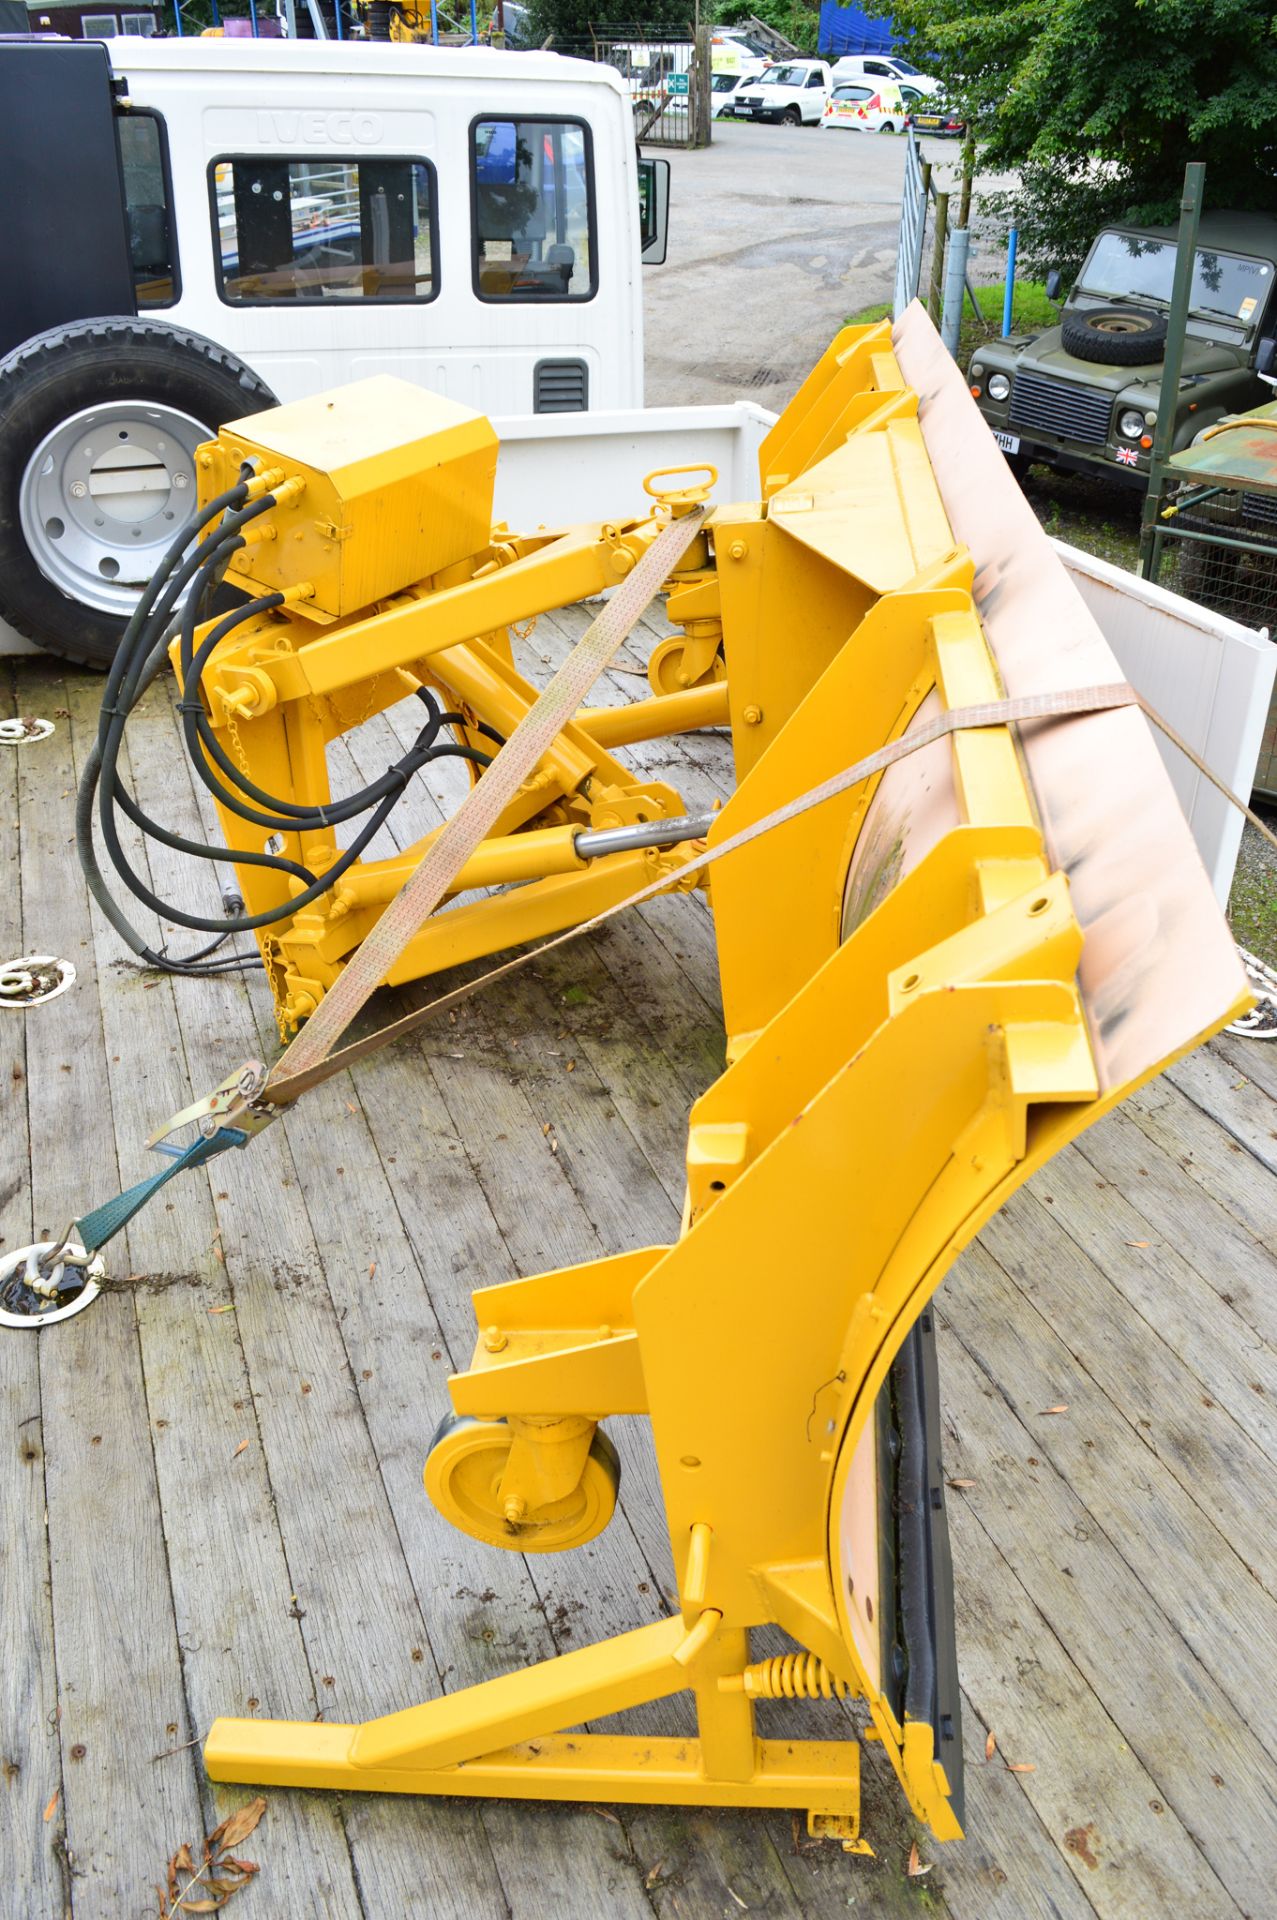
x=1084 y=395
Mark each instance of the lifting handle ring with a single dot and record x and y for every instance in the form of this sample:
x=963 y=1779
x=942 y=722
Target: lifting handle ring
x=681 y=499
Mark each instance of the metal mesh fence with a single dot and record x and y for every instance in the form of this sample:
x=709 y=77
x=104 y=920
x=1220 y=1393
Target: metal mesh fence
x=661 y=75
x=1220 y=549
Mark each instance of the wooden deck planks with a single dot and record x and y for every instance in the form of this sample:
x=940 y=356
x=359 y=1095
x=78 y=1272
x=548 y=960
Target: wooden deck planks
x=1110 y=1632
x=30 y=1754
x=1102 y=1548
x=118 y=1664
x=225 y=1561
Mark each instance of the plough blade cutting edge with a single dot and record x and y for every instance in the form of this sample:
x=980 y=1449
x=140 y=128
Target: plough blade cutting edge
x=932 y=982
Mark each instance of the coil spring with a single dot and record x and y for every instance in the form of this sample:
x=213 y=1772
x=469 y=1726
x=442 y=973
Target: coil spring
x=793 y=1676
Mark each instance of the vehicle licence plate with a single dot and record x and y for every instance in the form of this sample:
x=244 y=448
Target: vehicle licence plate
x=926 y=120
x=1009 y=442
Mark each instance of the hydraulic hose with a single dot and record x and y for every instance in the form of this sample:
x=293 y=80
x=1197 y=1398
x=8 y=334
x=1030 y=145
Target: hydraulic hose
x=141 y=657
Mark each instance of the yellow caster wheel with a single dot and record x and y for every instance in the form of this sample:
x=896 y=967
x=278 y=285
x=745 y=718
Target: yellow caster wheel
x=463 y=1475
x=665 y=663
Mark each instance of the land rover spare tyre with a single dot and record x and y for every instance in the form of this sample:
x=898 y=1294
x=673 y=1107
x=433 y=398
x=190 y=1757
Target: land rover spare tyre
x=99 y=423
x=1114 y=336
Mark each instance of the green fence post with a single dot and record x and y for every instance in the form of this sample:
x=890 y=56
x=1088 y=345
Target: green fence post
x=1190 y=208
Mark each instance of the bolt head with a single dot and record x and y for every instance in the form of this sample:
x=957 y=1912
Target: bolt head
x=737 y=550
x=181 y=480
x=752 y=716
x=77 y=489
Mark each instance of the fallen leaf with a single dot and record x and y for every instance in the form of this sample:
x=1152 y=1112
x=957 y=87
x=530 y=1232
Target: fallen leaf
x=651 y=1877
x=959 y=1483
x=915 y=1868
x=241 y=1824
x=1137 y=1243
x=990 y=1745
x=1021 y=1766
x=351 y=1107
x=1061 y=1409
x=48 y=1812
x=228 y=1308
x=604 y=1814
x=239 y=1449
x=372 y=1268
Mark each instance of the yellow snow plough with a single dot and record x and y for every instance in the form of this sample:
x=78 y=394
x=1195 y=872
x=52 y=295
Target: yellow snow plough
x=959 y=917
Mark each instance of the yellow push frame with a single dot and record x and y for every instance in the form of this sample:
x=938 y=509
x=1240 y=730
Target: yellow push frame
x=915 y=1023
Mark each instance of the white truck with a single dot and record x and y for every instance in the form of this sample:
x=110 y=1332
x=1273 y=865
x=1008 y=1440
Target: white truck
x=792 y=91
x=194 y=229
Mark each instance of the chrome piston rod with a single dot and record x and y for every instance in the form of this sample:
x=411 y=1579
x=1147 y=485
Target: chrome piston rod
x=593 y=843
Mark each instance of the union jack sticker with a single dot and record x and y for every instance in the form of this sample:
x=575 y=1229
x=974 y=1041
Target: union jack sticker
x=1127 y=457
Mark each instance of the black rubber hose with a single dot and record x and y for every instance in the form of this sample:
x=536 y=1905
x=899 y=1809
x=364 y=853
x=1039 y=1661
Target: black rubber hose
x=396 y=779
x=138 y=668
x=133 y=671
x=287 y=816
x=84 y=807
x=141 y=613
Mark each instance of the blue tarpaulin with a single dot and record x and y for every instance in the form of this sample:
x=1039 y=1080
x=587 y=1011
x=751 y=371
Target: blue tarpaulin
x=851 y=30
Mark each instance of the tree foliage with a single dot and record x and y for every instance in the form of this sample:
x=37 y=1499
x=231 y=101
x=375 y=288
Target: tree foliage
x=574 y=22
x=1096 y=105
x=798 y=20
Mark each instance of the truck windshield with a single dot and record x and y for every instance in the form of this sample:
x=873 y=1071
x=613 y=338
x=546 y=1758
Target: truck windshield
x=1226 y=286
x=783 y=77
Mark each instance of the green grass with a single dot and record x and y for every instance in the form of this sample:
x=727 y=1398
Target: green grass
x=1031 y=311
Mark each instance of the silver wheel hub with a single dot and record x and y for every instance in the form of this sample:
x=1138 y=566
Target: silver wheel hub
x=103 y=495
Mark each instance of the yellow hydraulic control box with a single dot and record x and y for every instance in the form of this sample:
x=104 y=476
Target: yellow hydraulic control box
x=397 y=485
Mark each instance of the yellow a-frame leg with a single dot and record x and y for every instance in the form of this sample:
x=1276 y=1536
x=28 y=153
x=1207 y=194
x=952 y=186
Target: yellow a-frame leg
x=504 y=1738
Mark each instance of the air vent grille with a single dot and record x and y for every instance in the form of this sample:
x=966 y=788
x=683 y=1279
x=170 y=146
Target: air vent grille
x=561 y=386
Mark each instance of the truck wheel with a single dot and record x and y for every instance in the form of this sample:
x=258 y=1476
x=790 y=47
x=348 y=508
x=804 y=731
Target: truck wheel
x=1114 y=336
x=792 y=116
x=99 y=423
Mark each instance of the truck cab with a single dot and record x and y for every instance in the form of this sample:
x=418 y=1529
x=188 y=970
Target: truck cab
x=1083 y=396
x=197 y=228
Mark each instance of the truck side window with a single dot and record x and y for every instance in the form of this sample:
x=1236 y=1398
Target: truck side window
x=301 y=232
x=148 y=209
x=532 y=184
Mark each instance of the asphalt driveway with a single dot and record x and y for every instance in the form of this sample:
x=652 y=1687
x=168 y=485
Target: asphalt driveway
x=776 y=235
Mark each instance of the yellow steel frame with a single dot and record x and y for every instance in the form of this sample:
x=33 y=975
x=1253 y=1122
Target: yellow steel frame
x=902 y=1055
x=283 y=686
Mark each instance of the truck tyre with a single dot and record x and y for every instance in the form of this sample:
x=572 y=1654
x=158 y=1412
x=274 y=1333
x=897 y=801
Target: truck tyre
x=1114 y=336
x=99 y=423
x=792 y=116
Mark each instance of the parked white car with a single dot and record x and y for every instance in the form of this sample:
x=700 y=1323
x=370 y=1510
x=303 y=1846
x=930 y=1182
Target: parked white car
x=794 y=91
x=724 y=89
x=861 y=108
x=872 y=69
